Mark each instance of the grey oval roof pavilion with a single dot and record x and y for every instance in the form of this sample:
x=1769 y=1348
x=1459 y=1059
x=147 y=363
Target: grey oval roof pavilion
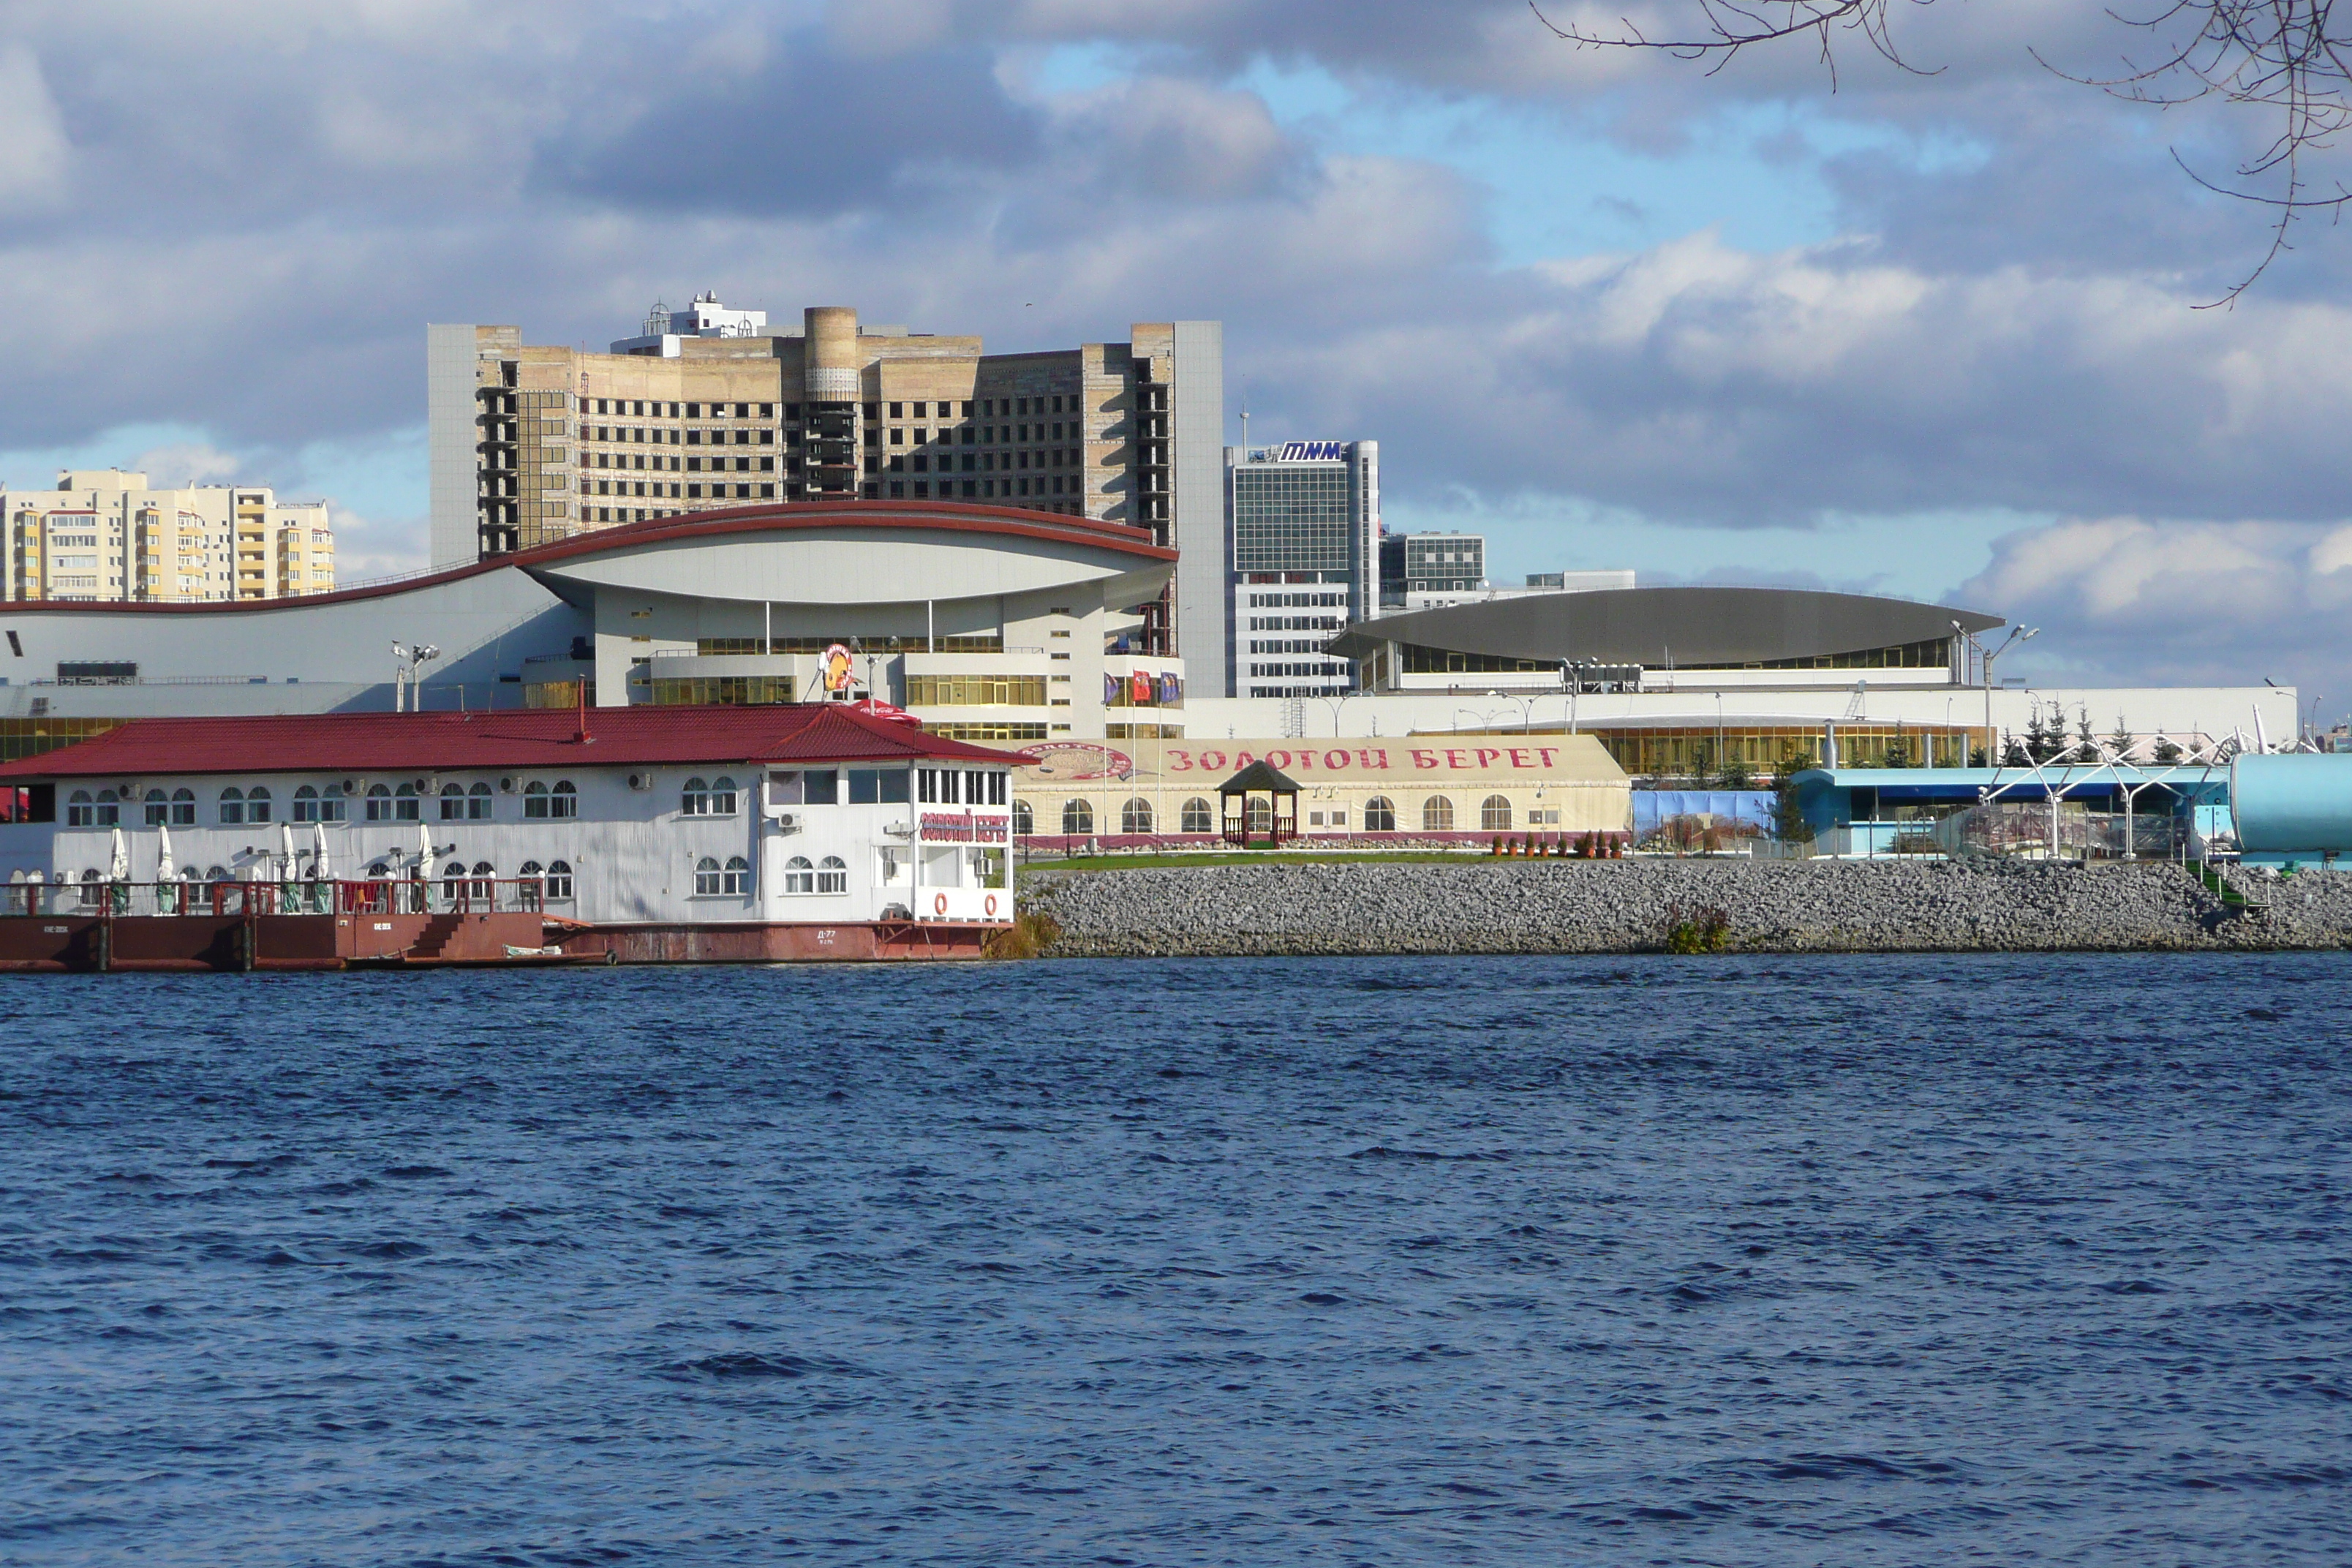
x=1654 y=626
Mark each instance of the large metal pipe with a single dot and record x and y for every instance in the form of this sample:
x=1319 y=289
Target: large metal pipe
x=2294 y=802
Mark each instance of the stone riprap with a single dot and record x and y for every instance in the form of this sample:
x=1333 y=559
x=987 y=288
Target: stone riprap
x=1628 y=906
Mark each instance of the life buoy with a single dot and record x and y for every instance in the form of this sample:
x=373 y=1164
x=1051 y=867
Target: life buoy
x=938 y=903
x=992 y=906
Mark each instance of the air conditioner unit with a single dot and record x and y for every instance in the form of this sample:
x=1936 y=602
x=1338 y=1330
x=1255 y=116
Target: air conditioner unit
x=351 y=786
x=508 y=785
x=422 y=786
x=788 y=822
x=641 y=780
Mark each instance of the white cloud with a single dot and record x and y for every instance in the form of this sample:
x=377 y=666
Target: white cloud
x=2132 y=600
x=181 y=463
x=34 y=150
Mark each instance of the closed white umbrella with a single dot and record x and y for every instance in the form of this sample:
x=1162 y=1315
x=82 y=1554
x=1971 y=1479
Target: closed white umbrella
x=118 y=868
x=163 y=872
x=285 y=852
x=424 y=853
x=318 y=870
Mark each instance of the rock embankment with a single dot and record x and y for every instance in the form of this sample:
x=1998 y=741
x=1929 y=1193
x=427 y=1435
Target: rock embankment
x=1628 y=906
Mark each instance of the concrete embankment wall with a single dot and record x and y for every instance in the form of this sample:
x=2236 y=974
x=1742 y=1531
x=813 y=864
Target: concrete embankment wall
x=1626 y=906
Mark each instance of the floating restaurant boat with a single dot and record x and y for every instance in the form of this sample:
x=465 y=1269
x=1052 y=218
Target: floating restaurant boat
x=642 y=834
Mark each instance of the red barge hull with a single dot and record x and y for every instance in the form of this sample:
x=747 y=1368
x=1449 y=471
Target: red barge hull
x=207 y=943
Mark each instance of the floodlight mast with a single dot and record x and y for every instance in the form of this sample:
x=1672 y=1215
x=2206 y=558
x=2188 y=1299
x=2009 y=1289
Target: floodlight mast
x=408 y=659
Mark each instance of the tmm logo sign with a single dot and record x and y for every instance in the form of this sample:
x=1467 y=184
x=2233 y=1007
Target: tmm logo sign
x=1313 y=451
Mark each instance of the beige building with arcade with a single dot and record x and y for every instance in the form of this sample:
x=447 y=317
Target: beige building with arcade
x=1429 y=787
x=109 y=535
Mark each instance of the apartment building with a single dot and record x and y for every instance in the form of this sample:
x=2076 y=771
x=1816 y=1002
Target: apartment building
x=710 y=407
x=109 y=535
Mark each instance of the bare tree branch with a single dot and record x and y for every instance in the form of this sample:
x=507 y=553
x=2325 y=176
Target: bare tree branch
x=2284 y=57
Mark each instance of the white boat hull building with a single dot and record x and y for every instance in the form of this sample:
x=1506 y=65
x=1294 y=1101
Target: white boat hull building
x=659 y=834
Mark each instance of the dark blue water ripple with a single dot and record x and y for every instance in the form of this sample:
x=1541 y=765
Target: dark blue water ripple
x=1496 y=1261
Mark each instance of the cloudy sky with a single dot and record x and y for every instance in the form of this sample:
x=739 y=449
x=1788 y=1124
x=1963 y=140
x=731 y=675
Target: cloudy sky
x=1929 y=333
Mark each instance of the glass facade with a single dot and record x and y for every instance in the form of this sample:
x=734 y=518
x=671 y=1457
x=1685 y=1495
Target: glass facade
x=32 y=737
x=1765 y=751
x=732 y=690
x=984 y=642
x=975 y=691
x=987 y=731
x=1293 y=516
x=1936 y=654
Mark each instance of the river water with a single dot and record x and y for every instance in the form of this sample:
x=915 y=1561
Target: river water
x=1541 y=1261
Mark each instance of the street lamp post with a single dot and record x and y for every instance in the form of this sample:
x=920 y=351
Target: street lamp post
x=2016 y=635
x=1337 y=703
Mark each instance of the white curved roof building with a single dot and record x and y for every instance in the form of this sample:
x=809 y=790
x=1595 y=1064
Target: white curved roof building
x=992 y=624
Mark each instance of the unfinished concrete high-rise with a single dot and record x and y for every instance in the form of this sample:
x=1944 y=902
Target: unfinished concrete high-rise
x=710 y=407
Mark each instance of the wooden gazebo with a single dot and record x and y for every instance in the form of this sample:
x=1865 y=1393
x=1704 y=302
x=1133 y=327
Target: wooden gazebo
x=1268 y=805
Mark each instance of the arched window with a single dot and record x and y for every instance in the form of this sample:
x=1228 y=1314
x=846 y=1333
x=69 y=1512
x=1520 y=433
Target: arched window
x=694 y=799
x=256 y=805
x=1494 y=814
x=563 y=800
x=534 y=801
x=378 y=871
x=799 y=877
x=1379 y=814
x=184 y=808
x=1437 y=815
x=453 y=803
x=232 y=806
x=738 y=877
x=832 y=874
x=330 y=804
x=478 y=804
x=404 y=804
x=1078 y=817
x=1135 y=816
x=559 y=881
x=1025 y=820
x=1198 y=818
x=90 y=891
x=78 y=813
x=453 y=880
x=722 y=796
x=531 y=871
x=379 y=802
x=705 y=877
x=109 y=809
x=484 y=881
x=159 y=808
x=219 y=874
x=306 y=805
x=1258 y=815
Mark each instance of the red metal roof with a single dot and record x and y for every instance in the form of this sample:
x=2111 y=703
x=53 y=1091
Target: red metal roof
x=960 y=517
x=528 y=738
